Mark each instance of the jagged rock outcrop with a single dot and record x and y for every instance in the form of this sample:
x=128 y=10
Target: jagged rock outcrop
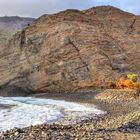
x=11 y=25
x=72 y=50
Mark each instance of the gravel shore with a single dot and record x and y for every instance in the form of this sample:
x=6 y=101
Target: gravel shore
x=122 y=122
x=87 y=130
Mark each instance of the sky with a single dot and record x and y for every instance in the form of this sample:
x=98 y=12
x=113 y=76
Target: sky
x=36 y=8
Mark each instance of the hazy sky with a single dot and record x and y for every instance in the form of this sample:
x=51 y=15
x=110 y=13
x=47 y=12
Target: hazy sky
x=36 y=8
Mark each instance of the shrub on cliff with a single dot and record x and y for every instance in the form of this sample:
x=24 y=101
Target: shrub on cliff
x=133 y=77
x=129 y=82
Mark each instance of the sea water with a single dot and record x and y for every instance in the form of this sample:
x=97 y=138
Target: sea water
x=25 y=111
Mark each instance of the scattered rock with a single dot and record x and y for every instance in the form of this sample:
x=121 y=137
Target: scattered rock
x=118 y=94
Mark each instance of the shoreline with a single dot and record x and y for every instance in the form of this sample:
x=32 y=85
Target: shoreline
x=122 y=120
x=87 y=129
x=47 y=110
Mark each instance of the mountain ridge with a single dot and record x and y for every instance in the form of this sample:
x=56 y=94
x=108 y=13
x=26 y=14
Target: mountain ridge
x=9 y=25
x=72 y=50
x=101 y=10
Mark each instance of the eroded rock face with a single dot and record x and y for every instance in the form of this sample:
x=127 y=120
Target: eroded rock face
x=9 y=25
x=72 y=50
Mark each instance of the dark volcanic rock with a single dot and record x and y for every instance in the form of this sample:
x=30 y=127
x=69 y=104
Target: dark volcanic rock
x=72 y=50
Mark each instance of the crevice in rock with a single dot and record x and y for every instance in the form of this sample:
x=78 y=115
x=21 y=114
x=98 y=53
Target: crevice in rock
x=103 y=53
x=131 y=27
x=81 y=67
x=116 y=43
x=78 y=51
x=22 y=39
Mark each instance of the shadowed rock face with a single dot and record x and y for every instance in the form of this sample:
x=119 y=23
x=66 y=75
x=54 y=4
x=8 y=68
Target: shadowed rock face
x=71 y=50
x=11 y=25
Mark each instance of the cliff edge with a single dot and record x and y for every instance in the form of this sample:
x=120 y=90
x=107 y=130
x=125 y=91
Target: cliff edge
x=71 y=50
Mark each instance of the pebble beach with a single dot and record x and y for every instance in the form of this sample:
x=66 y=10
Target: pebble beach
x=122 y=121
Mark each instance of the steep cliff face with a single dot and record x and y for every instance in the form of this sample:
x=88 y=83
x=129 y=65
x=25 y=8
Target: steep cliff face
x=11 y=25
x=72 y=50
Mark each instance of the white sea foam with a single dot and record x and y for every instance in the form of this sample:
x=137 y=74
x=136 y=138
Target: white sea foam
x=26 y=111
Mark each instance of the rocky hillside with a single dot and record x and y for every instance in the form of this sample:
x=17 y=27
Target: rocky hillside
x=10 y=25
x=72 y=50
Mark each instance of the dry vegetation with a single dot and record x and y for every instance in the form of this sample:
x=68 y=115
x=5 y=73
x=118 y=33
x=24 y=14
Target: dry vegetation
x=129 y=82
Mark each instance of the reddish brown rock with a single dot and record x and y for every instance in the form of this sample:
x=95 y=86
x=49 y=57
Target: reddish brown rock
x=72 y=50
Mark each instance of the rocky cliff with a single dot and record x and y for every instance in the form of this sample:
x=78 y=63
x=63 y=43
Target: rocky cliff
x=11 y=25
x=71 y=50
